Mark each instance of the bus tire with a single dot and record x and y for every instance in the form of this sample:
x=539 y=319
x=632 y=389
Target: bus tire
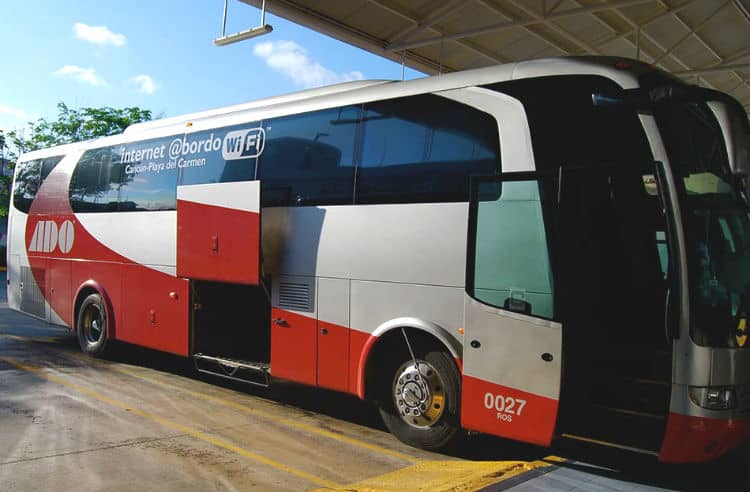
x=92 y=327
x=430 y=419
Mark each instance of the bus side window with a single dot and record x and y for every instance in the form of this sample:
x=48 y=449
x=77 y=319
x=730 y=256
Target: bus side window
x=48 y=164
x=95 y=182
x=512 y=267
x=145 y=190
x=29 y=178
x=423 y=149
x=210 y=166
x=309 y=158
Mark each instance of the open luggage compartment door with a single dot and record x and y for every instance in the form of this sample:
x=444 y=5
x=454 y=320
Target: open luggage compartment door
x=218 y=232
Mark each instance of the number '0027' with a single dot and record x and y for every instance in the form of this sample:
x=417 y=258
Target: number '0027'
x=504 y=404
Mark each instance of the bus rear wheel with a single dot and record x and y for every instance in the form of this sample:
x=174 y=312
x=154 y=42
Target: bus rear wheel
x=91 y=326
x=421 y=405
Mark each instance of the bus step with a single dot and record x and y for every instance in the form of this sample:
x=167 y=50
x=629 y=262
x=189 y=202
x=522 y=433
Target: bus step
x=255 y=373
x=616 y=427
x=610 y=444
x=636 y=413
x=639 y=396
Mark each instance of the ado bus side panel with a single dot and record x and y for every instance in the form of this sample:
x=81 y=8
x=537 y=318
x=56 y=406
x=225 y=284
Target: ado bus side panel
x=62 y=253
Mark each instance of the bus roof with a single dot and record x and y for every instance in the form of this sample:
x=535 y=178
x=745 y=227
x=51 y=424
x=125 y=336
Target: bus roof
x=619 y=69
x=268 y=101
x=622 y=70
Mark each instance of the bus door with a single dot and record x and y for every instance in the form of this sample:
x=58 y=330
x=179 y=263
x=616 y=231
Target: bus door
x=218 y=232
x=612 y=278
x=512 y=348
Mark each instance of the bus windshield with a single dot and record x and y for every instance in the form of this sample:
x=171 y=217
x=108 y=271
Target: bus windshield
x=716 y=221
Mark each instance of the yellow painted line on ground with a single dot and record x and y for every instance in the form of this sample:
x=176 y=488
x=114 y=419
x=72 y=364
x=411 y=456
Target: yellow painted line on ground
x=260 y=413
x=424 y=475
x=281 y=420
x=237 y=406
x=445 y=476
x=174 y=425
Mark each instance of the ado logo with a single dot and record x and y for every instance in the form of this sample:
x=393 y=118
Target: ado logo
x=47 y=236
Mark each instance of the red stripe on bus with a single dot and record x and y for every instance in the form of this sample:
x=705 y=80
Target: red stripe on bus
x=696 y=439
x=507 y=412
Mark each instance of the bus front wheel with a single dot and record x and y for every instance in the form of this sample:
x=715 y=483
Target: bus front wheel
x=91 y=326
x=420 y=406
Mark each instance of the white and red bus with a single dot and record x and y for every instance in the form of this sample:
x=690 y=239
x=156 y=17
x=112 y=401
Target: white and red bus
x=545 y=249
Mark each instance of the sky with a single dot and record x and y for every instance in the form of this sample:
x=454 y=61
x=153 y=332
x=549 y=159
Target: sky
x=159 y=55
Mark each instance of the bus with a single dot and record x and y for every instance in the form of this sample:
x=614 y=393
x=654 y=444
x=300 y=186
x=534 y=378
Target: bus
x=548 y=249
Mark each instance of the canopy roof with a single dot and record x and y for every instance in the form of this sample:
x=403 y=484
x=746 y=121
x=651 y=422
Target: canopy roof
x=706 y=42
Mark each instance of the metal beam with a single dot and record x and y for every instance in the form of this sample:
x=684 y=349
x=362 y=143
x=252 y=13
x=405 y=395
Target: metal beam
x=469 y=46
x=551 y=8
x=393 y=11
x=653 y=41
x=501 y=26
x=714 y=69
x=554 y=27
x=435 y=16
x=483 y=52
x=496 y=8
x=737 y=56
x=700 y=39
x=655 y=18
x=463 y=43
x=693 y=31
x=743 y=9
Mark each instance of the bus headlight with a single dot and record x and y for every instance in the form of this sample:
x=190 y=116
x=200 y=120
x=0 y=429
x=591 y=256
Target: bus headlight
x=713 y=397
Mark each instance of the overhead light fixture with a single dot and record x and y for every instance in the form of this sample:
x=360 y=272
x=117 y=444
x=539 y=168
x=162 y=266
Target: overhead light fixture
x=253 y=32
x=243 y=35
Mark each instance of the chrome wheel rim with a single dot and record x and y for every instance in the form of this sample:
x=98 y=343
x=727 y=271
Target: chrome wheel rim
x=419 y=394
x=93 y=323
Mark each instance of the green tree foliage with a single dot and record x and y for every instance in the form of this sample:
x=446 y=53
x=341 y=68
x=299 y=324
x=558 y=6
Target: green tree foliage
x=74 y=125
x=71 y=125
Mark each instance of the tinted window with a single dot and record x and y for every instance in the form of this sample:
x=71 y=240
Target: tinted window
x=146 y=174
x=568 y=130
x=423 y=149
x=29 y=177
x=145 y=188
x=512 y=267
x=309 y=158
x=129 y=177
x=96 y=180
x=203 y=157
x=48 y=165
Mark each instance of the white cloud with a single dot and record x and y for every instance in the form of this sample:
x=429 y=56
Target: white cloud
x=98 y=34
x=144 y=83
x=293 y=61
x=87 y=75
x=15 y=119
x=15 y=113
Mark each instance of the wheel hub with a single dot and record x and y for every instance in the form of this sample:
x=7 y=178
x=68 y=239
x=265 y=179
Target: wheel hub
x=419 y=394
x=92 y=324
